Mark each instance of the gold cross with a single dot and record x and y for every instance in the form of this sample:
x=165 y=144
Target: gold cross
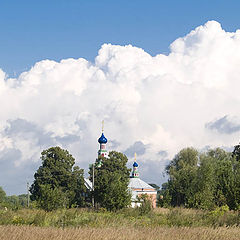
x=102 y=125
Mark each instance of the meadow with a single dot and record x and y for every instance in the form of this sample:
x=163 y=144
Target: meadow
x=156 y=233
x=175 y=223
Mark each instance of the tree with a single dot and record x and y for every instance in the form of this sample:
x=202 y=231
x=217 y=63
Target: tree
x=182 y=172
x=236 y=152
x=164 y=196
x=2 y=195
x=206 y=181
x=13 y=201
x=17 y=202
x=224 y=174
x=111 y=181
x=52 y=198
x=57 y=179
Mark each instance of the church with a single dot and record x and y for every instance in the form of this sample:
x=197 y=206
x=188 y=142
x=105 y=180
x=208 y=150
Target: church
x=137 y=186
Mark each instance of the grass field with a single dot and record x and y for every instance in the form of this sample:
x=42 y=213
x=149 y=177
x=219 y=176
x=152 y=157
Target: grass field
x=176 y=223
x=159 y=233
x=176 y=217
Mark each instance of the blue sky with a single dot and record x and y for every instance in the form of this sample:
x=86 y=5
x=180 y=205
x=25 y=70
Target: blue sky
x=57 y=29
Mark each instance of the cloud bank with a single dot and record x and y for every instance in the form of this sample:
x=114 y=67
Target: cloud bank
x=154 y=105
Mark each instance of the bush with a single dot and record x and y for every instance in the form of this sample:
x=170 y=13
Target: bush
x=220 y=211
x=146 y=205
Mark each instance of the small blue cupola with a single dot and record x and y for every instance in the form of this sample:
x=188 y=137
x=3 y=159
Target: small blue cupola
x=135 y=164
x=102 y=139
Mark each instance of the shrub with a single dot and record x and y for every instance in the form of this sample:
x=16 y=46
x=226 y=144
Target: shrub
x=146 y=205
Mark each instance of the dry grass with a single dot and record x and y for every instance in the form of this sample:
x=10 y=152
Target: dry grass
x=160 y=210
x=66 y=224
x=159 y=233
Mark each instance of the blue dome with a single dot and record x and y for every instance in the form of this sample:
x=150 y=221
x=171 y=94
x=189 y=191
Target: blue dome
x=135 y=164
x=102 y=139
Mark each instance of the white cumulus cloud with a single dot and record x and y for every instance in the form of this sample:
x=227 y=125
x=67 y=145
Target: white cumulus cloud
x=161 y=103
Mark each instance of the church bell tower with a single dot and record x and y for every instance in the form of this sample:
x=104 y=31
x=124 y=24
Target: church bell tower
x=103 y=142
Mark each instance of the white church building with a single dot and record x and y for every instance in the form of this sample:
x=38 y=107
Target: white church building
x=138 y=187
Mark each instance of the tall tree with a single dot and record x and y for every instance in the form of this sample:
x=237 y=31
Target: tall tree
x=111 y=181
x=182 y=172
x=206 y=183
x=224 y=174
x=57 y=179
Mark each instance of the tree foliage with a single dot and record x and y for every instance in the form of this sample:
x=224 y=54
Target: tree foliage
x=203 y=180
x=236 y=152
x=182 y=172
x=57 y=183
x=111 y=181
x=2 y=195
x=12 y=202
x=52 y=198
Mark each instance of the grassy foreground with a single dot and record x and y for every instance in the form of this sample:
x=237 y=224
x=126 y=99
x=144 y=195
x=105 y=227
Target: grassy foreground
x=176 y=223
x=176 y=217
x=160 y=233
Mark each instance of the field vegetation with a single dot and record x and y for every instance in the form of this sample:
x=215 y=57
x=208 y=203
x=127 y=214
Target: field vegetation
x=175 y=217
x=130 y=233
x=162 y=223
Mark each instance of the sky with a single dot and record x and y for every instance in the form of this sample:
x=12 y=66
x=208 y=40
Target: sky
x=35 y=30
x=163 y=75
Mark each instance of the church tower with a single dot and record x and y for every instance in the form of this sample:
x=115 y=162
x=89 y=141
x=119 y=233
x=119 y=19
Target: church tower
x=138 y=187
x=102 y=141
x=135 y=173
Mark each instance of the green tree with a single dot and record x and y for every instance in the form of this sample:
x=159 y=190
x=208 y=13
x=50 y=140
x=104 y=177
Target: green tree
x=206 y=181
x=236 y=152
x=23 y=200
x=2 y=195
x=224 y=174
x=52 y=198
x=111 y=181
x=182 y=172
x=164 y=196
x=57 y=177
x=78 y=187
x=13 y=202
x=236 y=189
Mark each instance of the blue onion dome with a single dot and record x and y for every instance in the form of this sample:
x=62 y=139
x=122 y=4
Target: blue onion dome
x=102 y=139
x=135 y=164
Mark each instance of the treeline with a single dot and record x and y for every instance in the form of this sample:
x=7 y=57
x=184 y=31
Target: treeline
x=14 y=201
x=203 y=180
